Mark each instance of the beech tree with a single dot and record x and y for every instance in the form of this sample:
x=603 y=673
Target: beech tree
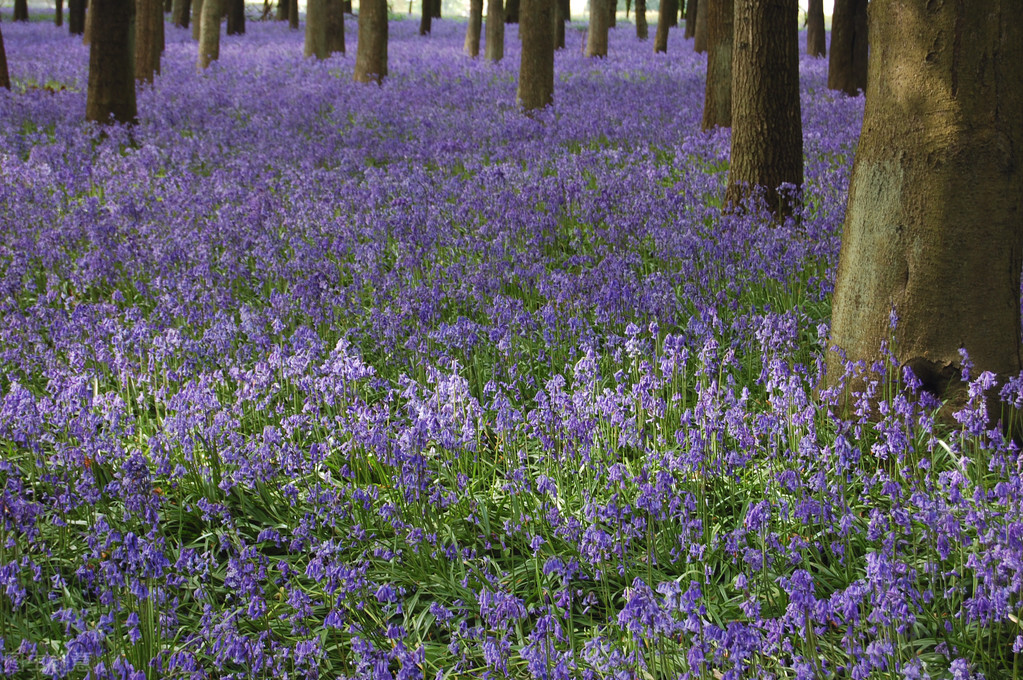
x=180 y=11
x=5 y=76
x=493 y=51
x=209 y=33
x=335 y=27
x=426 y=18
x=511 y=11
x=111 y=90
x=767 y=134
x=700 y=34
x=76 y=17
x=21 y=10
x=316 y=29
x=642 y=30
x=691 y=6
x=664 y=12
x=148 y=38
x=235 y=17
x=197 y=6
x=596 y=35
x=474 y=28
x=717 y=103
x=847 y=67
x=934 y=222
x=816 y=40
x=293 y=14
x=371 y=51
x=58 y=15
x=536 y=68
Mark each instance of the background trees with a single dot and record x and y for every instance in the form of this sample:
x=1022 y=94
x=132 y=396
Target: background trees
x=111 y=93
x=717 y=106
x=536 y=69
x=5 y=77
x=847 y=67
x=209 y=33
x=494 y=49
x=816 y=38
x=148 y=38
x=371 y=51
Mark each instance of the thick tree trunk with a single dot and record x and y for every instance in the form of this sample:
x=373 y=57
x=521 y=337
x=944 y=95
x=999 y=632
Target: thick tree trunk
x=426 y=18
x=700 y=36
x=511 y=12
x=87 y=33
x=691 y=7
x=197 y=6
x=111 y=93
x=596 y=37
x=235 y=17
x=816 y=39
x=474 y=28
x=661 y=36
x=21 y=10
x=5 y=76
x=180 y=12
x=536 y=70
x=148 y=22
x=717 y=104
x=335 y=27
x=293 y=14
x=493 y=50
x=934 y=225
x=371 y=50
x=76 y=17
x=642 y=30
x=58 y=15
x=316 y=29
x=847 y=67
x=209 y=34
x=767 y=136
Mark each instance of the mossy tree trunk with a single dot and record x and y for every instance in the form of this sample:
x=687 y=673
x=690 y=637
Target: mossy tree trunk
x=209 y=34
x=934 y=224
x=493 y=50
x=717 y=102
x=767 y=134
x=847 y=67
x=111 y=91
x=536 y=69
x=371 y=51
x=816 y=38
x=196 y=18
x=180 y=13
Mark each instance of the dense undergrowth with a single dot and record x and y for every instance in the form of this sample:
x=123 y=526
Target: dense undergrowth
x=308 y=379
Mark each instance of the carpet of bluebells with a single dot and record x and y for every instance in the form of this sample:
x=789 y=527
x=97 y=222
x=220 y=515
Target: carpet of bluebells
x=308 y=379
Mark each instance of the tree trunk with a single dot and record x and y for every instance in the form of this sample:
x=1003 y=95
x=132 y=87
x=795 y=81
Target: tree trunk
x=293 y=14
x=197 y=6
x=767 y=138
x=435 y=9
x=316 y=29
x=596 y=37
x=474 y=28
x=87 y=33
x=717 y=105
x=934 y=224
x=76 y=17
x=236 y=17
x=426 y=18
x=691 y=7
x=335 y=27
x=612 y=13
x=111 y=93
x=642 y=30
x=536 y=70
x=511 y=12
x=816 y=39
x=661 y=36
x=347 y=5
x=493 y=50
x=209 y=34
x=700 y=36
x=5 y=76
x=560 y=17
x=148 y=22
x=847 y=67
x=21 y=10
x=283 y=9
x=371 y=50
x=58 y=15
x=180 y=13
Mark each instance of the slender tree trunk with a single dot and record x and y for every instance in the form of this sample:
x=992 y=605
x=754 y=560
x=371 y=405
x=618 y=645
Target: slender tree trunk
x=816 y=39
x=661 y=36
x=335 y=27
x=76 y=17
x=474 y=28
x=111 y=93
x=293 y=14
x=426 y=18
x=180 y=13
x=934 y=226
x=197 y=6
x=58 y=15
x=87 y=34
x=691 y=7
x=168 y=5
x=847 y=67
x=5 y=76
x=493 y=49
x=700 y=37
x=562 y=11
x=148 y=22
x=21 y=10
x=209 y=34
x=596 y=37
x=371 y=50
x=435 y=8
x=316 y=29
x=347 y=5
x=767 y=136
x=511 y=12
x=536 y=69
x=283 y=9
x=612 y=13
x=717 y=105
x=642 y=30
x=235 y=17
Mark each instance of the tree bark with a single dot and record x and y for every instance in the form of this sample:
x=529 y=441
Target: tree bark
x=21 y=10
x=209 y=33
x=293 y=14
x=847 y=67
x=816 y=38
x=536 y=69
x=560 y=17
x=87 y=33
x=197 y=6
x=335 y=27
x=596 y=36
x=235 y=17
x=717 y=104
x=612 y=13
x=148 y=22
x=316 y=29
x=180 y=13
x=426 y=18
x=435 y=9
x=700 y=36
x=283 y=9
x=111 y=90
x=691 y=7
x=371 y=51
x=58 y=15
x=767 y=138
x=347 y=6
x=663 y=17
x=934 y=224
x=511 y=12
x=5 y=76
x=642 y=30
x=673 y=12
x=474 y=28
x=493 y=50
x=76 y=17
